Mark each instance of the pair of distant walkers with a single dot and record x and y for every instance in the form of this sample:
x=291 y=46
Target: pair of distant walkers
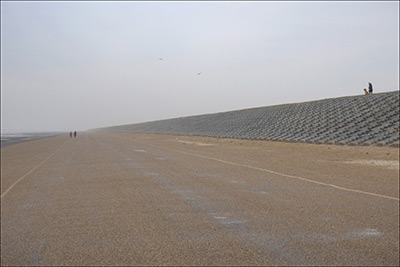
x=70 y=134
x=369 y=89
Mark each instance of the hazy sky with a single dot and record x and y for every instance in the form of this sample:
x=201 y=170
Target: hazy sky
x=84 y=65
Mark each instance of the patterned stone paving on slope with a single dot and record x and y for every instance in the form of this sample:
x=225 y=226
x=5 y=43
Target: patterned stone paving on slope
x=357 y=120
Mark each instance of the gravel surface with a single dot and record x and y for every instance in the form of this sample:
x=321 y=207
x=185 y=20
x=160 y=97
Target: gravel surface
x=150 y=199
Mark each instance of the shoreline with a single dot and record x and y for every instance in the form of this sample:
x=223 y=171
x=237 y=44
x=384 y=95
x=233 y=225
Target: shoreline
x=16 y=138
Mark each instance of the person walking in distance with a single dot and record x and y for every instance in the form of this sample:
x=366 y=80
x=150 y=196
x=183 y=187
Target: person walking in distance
x=74 y=134
x=70 y=134
x=370 y=88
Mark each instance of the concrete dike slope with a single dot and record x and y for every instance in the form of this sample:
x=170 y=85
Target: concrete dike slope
x=355 y=120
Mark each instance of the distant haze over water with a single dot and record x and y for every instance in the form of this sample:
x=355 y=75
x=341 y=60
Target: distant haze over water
x=13 y=137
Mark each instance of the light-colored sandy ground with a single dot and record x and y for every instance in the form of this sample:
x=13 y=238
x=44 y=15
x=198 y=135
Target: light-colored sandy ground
x=392 y=164
x=142 y=199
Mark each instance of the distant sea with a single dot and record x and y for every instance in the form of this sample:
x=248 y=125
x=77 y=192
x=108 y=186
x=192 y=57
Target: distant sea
x=9 y=138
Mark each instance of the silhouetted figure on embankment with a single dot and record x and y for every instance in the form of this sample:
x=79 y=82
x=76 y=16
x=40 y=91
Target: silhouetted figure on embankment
x=370 y=88
x=74 y=134
x=70 y=134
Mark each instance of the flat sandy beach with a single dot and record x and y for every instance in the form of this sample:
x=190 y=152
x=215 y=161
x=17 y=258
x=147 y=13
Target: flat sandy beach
x=147 y=199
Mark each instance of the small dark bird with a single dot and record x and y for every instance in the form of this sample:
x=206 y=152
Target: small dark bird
x=160 y=58
x=198 y=73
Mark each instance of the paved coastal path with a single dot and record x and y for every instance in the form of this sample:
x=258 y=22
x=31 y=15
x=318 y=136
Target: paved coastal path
x=145 y=199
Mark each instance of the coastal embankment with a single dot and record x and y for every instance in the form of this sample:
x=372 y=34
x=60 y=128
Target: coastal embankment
x=354 y=120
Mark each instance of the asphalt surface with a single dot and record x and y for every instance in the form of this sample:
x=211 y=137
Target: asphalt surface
x=145 y=199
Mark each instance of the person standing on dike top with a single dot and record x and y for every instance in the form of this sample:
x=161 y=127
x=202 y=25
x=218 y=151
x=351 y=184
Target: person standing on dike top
x=370 y=88
x=74 y=134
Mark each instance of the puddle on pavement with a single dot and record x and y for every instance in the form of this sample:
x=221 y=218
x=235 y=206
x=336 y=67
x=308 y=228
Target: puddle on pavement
x=323 y=238
x=230 y=224
x=368 y=233
x=236 y=182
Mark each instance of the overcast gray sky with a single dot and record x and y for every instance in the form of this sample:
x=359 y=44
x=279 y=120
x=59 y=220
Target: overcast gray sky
x=84 y=65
